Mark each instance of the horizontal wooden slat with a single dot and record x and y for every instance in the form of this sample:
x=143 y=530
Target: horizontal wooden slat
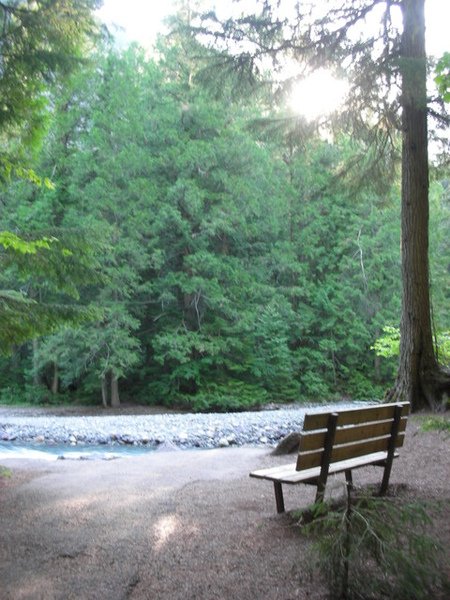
x=312 y=441
x=314 y=459
x=309 y=460
x=376 y=414
x=367 y=431
x=364 y=447
x=316 y=440
x=274 y=472
x=289 y=474
x=354 y=416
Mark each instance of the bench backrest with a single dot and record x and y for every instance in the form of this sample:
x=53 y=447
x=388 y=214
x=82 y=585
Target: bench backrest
x=351 y=433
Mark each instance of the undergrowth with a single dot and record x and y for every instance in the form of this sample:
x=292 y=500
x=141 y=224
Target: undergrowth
x=372 y=548
x=436 y=424
x=4 y=472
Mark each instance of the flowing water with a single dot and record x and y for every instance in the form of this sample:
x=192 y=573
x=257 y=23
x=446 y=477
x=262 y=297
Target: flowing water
x=63 y=451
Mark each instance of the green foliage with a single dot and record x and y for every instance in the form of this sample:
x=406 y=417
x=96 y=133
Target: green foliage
x=440 y=251
x=377 y=548
x=22 y=318
x=436 y=424
x=442 y=77
x=310 y=37
x=230 y=396
x=229 y=276
x=12 y=241
x=98 y=347
x=221 y=267
x=27 y=395
x=443 y=344
x=39 y=264
x=39 y=42
x=10 y=171
x=271 y=361
x=388 y=345
x=363 y=387
x=5 y=472
x=347 y=260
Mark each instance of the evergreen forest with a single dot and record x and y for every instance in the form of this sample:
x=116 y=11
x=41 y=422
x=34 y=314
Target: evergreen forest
x=177 y=242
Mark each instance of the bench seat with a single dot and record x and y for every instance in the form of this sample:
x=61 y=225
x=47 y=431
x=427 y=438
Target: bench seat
x=289 y=474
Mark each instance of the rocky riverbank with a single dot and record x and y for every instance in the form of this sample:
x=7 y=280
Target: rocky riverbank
x=266 y=427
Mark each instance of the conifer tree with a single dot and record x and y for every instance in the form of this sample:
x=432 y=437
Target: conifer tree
x=40 y=42
x=387 y=70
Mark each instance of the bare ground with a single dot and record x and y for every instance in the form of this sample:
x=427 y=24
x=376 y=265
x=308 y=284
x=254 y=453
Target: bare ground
x=178 y=525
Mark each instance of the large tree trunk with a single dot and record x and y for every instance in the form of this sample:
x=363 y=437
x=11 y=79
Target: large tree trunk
x=420 y=380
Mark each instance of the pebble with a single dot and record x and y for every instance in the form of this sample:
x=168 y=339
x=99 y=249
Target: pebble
x=260 y=428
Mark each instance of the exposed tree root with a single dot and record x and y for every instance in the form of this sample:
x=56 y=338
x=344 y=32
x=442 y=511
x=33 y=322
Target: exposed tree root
x=433 y=393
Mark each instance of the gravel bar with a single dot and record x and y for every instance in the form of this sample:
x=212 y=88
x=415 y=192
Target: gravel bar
x=159 y=431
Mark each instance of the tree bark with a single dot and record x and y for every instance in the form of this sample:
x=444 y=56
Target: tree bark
x=35 y=349
x=104 y=392
x=420 y=379
x=115 y=399
x=55 y=379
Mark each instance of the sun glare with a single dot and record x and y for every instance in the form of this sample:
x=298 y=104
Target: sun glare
x=318 y=95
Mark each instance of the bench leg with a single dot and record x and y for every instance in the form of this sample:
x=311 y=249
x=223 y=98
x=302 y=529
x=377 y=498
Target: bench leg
x=320 y=494
x=391 y=449
x=279 y=496
x=349 y=479
x=386 y=475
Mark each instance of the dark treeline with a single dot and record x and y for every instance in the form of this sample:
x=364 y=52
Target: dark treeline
x=231 y=268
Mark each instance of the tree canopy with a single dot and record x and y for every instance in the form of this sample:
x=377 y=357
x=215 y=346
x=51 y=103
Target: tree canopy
x=204 y=246
x=40 y=42
x=387 y=70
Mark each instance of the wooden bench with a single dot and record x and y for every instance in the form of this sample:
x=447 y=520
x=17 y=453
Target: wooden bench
x=340 y=441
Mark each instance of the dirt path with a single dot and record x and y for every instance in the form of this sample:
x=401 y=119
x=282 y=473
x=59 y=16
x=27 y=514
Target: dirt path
x=176 y=525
